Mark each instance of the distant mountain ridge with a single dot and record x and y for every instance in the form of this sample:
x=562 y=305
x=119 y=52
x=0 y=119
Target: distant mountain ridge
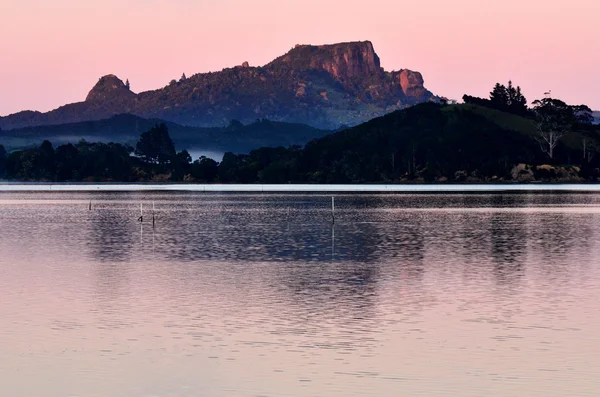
x=596 y=115
x=126 y=129
x=324 y=86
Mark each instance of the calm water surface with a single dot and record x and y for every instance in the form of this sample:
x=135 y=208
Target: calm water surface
x=260 y=295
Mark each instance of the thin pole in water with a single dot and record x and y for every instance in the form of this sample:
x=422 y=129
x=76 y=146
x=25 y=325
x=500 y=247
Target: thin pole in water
x=153 y=215
x=141 y=218
x=90 y=205
x=332 y=209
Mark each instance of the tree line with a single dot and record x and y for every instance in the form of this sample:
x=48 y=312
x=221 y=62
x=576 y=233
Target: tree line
x=153 y=158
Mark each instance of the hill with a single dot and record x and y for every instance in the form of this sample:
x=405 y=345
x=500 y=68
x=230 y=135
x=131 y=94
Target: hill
x=324 y=86
x=425 y=143
x=126 y=129
x=596 y=115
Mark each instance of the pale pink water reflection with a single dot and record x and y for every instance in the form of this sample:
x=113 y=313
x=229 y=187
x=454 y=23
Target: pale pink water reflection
x=431 y=295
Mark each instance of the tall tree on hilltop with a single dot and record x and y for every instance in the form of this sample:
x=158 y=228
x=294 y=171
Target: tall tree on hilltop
x=583 y=114
x=156 y=146
x=516 y=101
x=127 y=85
x=499 y=96
x=554 y=119
x=509 y=99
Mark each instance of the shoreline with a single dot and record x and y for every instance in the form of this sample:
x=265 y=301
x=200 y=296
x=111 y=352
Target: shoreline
x=257 y=188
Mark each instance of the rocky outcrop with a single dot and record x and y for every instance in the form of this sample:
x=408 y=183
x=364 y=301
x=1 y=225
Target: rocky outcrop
x=324 y=86
x=109 y=88
x=546 y=173
x=343 y=61
x=412 y=84
x=522 y=173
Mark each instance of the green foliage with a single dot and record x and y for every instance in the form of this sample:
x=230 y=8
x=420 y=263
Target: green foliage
x=156 y=146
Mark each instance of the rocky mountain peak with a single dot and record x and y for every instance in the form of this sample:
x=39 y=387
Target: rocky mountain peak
x=108 y=87
x=343 y=61
x=323 y=85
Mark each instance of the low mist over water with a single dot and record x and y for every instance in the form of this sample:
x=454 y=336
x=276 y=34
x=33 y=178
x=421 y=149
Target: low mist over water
x=262 y=295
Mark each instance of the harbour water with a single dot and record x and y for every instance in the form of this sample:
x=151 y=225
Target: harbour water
x=261 y=294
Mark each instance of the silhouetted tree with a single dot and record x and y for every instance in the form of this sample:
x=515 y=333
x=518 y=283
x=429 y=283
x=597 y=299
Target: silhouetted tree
x=155 y=146
x=508 y=99
x=554 y=119
x=67 y=163
x=2 y=161
x=46 y=164
x=583 y=114
x=183 y=78
x=499 y=96
x=516 y=101
x=205 y=169
x=181 y=165
x=127 y=85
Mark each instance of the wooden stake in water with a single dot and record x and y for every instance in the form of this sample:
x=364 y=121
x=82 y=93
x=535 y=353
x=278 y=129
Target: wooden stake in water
x=332 y=209
x=141 y=218
x=153 y=215
x=90 y=205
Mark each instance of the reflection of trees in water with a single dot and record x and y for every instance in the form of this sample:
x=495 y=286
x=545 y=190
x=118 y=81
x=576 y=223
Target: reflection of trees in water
x=560 y=241
x=220 y=234
x=508 y=246
x=296 y=257
x=111 y=236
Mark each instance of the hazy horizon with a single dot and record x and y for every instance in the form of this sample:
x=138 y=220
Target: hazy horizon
x=58 y=51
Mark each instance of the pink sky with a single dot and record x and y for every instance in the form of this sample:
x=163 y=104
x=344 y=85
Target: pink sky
x=53 y=52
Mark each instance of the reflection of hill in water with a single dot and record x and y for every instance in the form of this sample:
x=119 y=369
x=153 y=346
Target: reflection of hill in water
x=413 y=234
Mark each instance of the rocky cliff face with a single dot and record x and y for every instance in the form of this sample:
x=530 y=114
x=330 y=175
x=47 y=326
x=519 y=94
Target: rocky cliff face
x=343 y=62
x=323 y=86
x=412 y=84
